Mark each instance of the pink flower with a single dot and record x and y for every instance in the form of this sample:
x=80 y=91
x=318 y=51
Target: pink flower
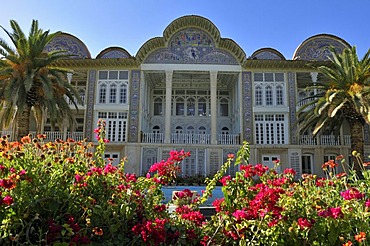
x=22 y=172
x=290 y=171
x=352 y=193
x=331 y=212
x=78 y=178
x=304 y=223
x=225 y=179
x=109 y=169
x=8 y=200
x=367 y=203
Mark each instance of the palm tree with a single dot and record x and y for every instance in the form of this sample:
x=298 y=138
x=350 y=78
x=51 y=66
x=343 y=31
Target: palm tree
x=29 y=81
x=344 y=97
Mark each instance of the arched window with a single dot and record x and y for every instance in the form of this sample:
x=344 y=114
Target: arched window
x=224 y=107
x=102 y=93
x=202 y=106
x=268 y=92
x=225 y=131
x=178 y=129
x=279 y=95
x=202 y=130
x=190 y=105
x=81 y=92
x=123 y=93
x=190 y=130
x=158 y=106
x=180 y=106
x=258 y=95
x=156 y=129
x=112 y=93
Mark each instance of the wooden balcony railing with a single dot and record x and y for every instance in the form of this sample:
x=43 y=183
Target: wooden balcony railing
x=52 y=136
x=325 y=140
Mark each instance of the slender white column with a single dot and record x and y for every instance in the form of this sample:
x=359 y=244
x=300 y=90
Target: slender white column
x=167 y=124
x=213 y=78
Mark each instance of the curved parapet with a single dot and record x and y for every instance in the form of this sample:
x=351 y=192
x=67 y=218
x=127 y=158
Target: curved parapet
x=316 y=48
x=113 y=52
x=191 y=40
x=71 y=44
x=267 y=54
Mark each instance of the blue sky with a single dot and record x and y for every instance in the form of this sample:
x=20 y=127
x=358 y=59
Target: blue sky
x=253 y=24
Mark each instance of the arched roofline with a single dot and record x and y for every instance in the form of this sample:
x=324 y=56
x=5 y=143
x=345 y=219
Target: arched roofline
x=112 y=48
x=268 y=49
x=194 y=21
x=322 y=35
x=78 y=40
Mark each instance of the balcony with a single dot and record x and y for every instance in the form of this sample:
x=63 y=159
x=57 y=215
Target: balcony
x=325 y=140
x=189 y=138
x=52 y=136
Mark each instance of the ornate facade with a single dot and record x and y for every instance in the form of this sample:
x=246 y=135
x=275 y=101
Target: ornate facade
x=192 y=89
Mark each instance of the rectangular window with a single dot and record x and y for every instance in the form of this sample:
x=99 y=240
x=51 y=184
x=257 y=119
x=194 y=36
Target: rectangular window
x=307 y=164
x=116 y=125
x=112 y=87
x=112 y=158
x=269 y=89
x=270 y=161
x=270 y=129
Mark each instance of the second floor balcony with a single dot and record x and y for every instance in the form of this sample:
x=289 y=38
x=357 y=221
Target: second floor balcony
x=51 y=136
x=325 y=140
x=189 y=138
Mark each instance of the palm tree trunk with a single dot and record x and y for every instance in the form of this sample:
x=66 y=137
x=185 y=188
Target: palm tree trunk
x=23 y=123
x=357 y=144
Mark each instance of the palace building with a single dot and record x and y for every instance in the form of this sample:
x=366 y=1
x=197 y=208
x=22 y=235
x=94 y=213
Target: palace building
x=192 y=89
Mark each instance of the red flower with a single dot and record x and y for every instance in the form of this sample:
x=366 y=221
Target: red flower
x=352 y=193
x=290 y=171
x=360 y=237
x=8 y=200
x=331 y=212
x=304 y=223
x=225 y=179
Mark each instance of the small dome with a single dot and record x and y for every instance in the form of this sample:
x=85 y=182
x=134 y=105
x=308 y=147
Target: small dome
x=113 y=52
x=69 y=43
x=316 y=48
x=267 y=54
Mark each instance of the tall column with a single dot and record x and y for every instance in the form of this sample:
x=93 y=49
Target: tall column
x=167 y=124
x=213 y=78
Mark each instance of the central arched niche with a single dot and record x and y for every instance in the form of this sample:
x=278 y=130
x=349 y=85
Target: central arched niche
x=191 y=40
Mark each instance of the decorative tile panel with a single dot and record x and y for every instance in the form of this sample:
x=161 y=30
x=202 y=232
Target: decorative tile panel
x=191 y=46
x=266 y=55
x=292 y=107
x=247 y=106
x=69 y=43
x=114 y=54
x=134 y=106
x=317 y=49
x=90 y=105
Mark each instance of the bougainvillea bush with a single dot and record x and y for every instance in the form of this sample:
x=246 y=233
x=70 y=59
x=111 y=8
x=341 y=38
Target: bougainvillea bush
x=65 y=193
x=261 y=207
